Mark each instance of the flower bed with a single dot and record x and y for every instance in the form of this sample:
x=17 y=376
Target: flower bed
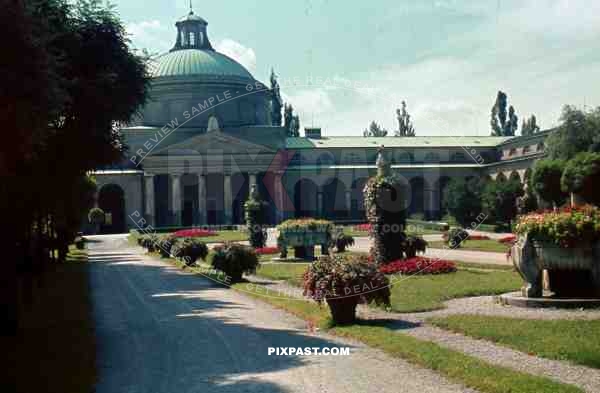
x=478 y=237
x=566 y=228
x=266 y=250
x=508 y=239
x=362 y=228
x=197 y=232
x=419 y=265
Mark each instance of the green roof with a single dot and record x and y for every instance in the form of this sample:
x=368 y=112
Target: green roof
x=390 y=141
x=198 y=62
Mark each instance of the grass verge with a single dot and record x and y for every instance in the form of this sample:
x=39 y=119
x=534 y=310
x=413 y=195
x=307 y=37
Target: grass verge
x=55 y=349
x=561 y=339
x=475 y=245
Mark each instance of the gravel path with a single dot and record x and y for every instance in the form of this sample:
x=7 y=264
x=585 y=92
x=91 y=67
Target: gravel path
x=162 y=330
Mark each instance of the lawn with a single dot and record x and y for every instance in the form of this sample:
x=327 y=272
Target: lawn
x=421 y=293
x=475 y=245
x=227 y=236
x=456 y=366
x=577 y=341
x=417 y=231
x=56 y=348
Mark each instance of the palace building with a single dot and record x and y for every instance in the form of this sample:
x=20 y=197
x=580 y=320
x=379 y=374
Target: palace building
x=211 y=131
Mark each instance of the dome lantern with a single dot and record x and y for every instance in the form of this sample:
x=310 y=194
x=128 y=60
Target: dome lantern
x=191 y=33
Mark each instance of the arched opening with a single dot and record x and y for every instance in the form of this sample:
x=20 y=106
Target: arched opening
x=239 y=191
x=334 y=200
x=500 y=177
x=189 y=215
x=514 y=176
x=417 y=202
x=442 y=185
x=305 y=198
x=161 y=200
x=357 y=203
x=111 y=199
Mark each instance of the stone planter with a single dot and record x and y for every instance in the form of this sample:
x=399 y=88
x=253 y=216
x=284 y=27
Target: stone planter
x=304 y=242
x=343 y=309
x=572 y=272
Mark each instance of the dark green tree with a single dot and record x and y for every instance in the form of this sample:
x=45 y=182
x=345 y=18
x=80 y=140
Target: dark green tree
x=503 y=125
x=276 y=101
x=545 y=181
x=405 y=126
x=530 y=126
x=295 y=126
x=581 y=176
x=375 y=130
x=579 y=131
x=291 y=121
x=499 y=200
x=462 y=199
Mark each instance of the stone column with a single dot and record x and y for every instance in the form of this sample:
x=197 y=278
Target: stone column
x=227 y=199
x=176 y=198
x=149 y=207
x=251 y=180
x=201 y=199
x=319 y=203
x=349 y=203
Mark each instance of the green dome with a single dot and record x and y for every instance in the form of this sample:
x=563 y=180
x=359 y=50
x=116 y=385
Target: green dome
x=198 y=63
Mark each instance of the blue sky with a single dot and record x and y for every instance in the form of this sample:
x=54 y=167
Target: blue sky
x=343 y=64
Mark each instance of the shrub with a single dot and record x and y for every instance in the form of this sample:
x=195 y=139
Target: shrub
x=413 y=244
x=254 y=213
x=79 y=243
x=462 y=200
x=455 y=237
x=581 y=176
x=282 y=247
x=500 y=199
x=384 y=198
x=419 y=265
x=234 y=260
x=340 y=240
x=165 y=243
x=96 y=216
x=149 y=242
x=195 y=232
x=545 y=181
x=344 y=282
x=189 y=250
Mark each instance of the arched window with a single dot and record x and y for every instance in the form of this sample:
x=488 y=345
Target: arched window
x=432 y=157
x=201 y=38
x=404 y=156
x=512 y=152
x=458 y=156
x=540 y=146
x=526 y=149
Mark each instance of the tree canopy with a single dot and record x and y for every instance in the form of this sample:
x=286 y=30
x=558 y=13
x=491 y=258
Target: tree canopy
x=462 y=199
x=503 y=123
x=545 y=181
x=579 y=131
x=405 y=126
x=530 y=126
x=375 y=130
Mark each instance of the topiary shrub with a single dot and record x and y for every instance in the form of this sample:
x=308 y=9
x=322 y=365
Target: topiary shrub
x=414 y=244
x=234 y=260
x=546 y=181
x=385 y=209
x=344 y=282
x=455 y=237
x=189 y=250
x=165 y=243
x=96 y=217
x=581 y=176
x=254 y=212
x=340 y=240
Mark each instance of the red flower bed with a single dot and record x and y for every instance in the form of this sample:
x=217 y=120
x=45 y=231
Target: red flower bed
x=419 y=265
x=266 y=250
x=478 y=237
x=197 y=232
x=362 y=227
x=508 y=239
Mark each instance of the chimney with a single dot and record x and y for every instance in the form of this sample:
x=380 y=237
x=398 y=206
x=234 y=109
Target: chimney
x=312 y=133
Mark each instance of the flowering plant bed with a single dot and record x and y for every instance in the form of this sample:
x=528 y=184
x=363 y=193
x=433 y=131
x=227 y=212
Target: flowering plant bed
x=362 y=228
x=478 y=237
x=508 y=239
x=197 y=232
x=566 y=228
x=419 y=265
x=266 y=250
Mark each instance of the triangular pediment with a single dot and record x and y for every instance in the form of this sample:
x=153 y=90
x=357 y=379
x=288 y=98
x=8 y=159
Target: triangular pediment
x=214 y=141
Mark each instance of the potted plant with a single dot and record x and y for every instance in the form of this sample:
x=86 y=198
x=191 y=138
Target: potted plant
x=344 y=282
x=455 y=236
x=340 y=241
x=414 y=244
x=234 y=260
x=305 y=233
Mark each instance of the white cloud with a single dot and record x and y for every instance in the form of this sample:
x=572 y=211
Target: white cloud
x=240 y=53
x=150 y=35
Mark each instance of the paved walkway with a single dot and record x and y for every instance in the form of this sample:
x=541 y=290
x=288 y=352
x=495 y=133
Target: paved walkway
x=161 y=330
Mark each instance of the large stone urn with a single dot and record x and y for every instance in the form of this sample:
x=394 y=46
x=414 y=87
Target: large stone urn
x=572 y=272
